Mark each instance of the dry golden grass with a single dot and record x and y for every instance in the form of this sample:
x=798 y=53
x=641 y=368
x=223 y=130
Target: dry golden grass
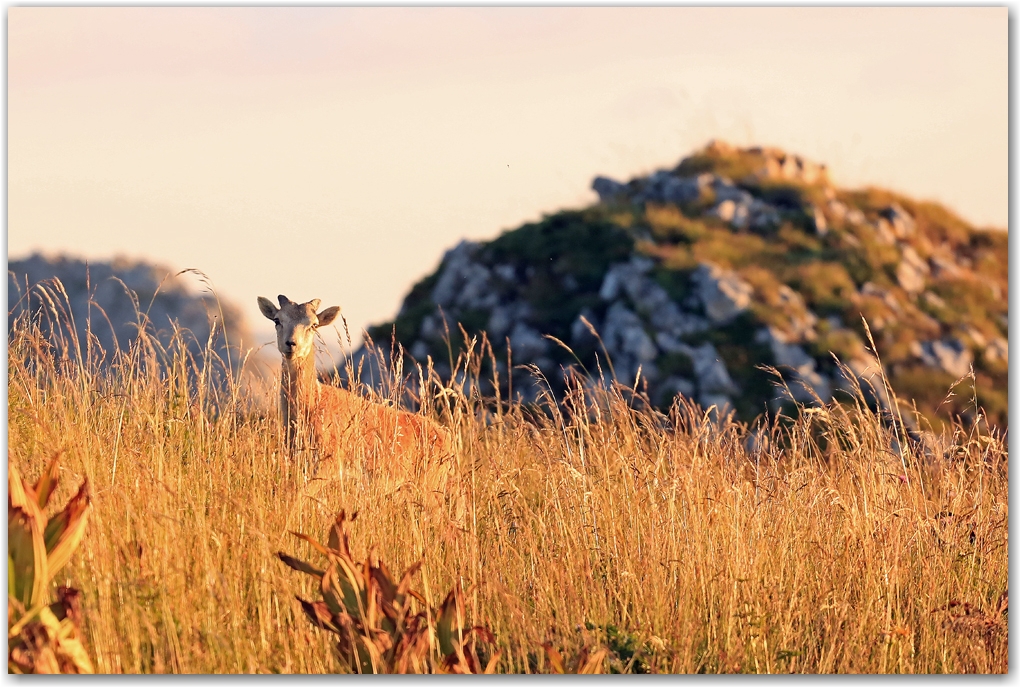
x=819 y=550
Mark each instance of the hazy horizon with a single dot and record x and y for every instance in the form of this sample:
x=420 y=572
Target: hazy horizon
x=336 y=153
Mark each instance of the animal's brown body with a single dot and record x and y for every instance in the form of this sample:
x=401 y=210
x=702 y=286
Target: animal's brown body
x=330 y=417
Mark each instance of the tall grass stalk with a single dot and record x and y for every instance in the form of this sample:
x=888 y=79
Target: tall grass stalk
x=675 y=539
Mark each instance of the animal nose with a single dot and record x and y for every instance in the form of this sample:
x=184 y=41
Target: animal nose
x=289 y=343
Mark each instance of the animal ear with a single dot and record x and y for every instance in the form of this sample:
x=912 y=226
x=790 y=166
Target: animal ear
x=283 y=300
x=328 y=315
x=267 y=308
x=314 y=303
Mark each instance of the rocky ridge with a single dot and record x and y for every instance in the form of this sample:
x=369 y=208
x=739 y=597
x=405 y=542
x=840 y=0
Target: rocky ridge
x=733 y=259
x=164 y=297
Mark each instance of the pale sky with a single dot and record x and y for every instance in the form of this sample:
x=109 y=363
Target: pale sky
x=336 y=153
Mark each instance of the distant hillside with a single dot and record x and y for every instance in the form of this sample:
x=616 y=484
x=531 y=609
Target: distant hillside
x=732 y=259
x=113 y=315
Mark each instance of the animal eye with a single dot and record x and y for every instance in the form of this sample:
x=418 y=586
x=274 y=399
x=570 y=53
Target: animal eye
x=277 y=321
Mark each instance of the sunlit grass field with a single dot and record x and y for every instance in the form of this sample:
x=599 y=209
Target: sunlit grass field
x=828 y=545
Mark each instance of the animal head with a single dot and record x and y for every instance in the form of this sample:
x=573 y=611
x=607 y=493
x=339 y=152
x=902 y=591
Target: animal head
x=296 y=324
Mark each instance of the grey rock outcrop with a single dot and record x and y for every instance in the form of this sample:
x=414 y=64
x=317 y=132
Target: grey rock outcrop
x=975 y=335
x=739 y=208
x=780 y=165
x=608 y=189
x=943 y=266
x=720 y=405
x=711 y=372
x=503 y=318
x=723 y=294
x=464 y=283
x=997 y=350
x=903 y=225
x=625 y=336
x=884 y=232
x=837 y=210
x=855 y=217
x=791 y=359
x=912 y=271
x=581 y=333
x=527 y=342
x=648 y=268
x=631 y=279
x=948 y=354
x=675 y=385
x=800 y=325
x=734 y=205
x=818 y=217
x=155 y=290
x=666 y=187
x=864 y=372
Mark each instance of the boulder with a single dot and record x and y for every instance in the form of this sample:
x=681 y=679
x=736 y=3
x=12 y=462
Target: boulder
x=902 y=224
x=975 y=335
x=763 y=215
x=801 y=322
x=884 y=232
x=463 y=282
x=628 y=345
x=739 y=208
x=527 y=343
x=671 y=344
x=437 y=325
x=793 y=361
x=864 y=372
x=503 y=318
x=943 y=267
x=837 y=210
x=723 y=294
x=505 y=272
x=933 y=300
x=911 y=271
x=665 y=187
x=997 y=351
x=725 y=190
x=779 y=165
x=625 y=334
x=821 y=226
x=869 y=288
x=948 y=354
x=631 y=279
x=580 y=334
x=419 y=350
x=710 y=370
x=674 y=386
x=684 y=189
x=743 y=215
x=721 y=403
x=726 y=210
x=626 y=277
x=609 y=190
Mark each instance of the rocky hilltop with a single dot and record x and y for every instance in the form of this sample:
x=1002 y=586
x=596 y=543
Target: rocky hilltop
x=733 y=259
x=165 y=298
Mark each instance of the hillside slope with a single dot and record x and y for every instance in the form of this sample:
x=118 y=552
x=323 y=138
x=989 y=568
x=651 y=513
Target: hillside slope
x=734 y=259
